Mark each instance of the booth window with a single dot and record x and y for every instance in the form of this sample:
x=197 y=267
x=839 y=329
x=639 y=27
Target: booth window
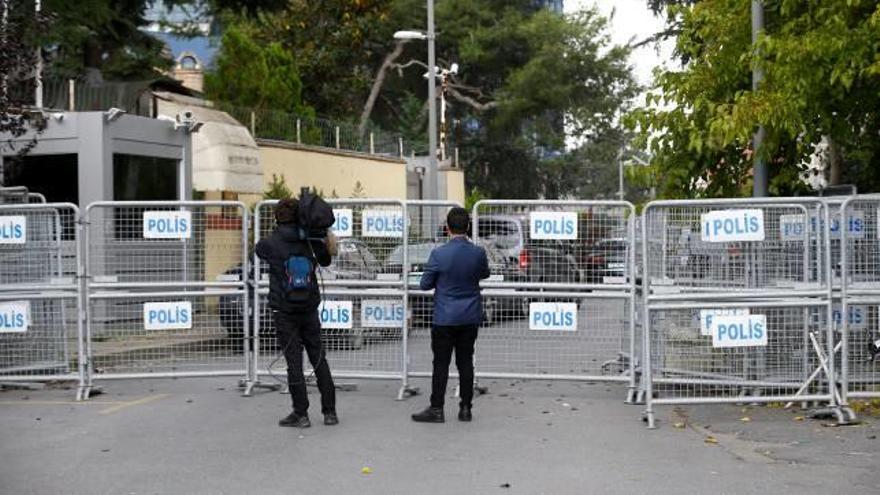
x=140 y=178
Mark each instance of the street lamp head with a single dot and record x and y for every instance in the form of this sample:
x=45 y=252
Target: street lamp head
x=410 y=35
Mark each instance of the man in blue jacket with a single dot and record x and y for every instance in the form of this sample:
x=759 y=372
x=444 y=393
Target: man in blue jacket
x=454 y=271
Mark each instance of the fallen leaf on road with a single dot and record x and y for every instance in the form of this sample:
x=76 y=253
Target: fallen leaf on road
x=711 y=440
x=745 y=419
x=678 y=425
x=366 y=470
x=798 y=418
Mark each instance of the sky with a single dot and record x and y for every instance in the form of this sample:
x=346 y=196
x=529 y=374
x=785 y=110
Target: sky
x=632 y=20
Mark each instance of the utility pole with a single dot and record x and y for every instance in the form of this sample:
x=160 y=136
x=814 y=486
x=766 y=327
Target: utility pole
x=759 y=172
x=432 y=106
x=38 y=98
x=5 y=19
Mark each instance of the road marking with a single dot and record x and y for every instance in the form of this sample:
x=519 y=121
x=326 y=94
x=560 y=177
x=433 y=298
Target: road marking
x=57 y=402
x=137 y=402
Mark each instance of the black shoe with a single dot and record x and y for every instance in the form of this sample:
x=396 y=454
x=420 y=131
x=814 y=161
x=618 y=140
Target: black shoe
x=296 y=421
x=331 y=419
x=464 y=413
x=429 y=415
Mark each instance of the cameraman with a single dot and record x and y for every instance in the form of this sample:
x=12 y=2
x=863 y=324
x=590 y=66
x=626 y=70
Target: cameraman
x=294 y=298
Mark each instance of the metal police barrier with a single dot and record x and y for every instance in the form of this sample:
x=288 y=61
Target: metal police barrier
x=860 y=295
x=562 y=291
x=41 y=334
x=19 y=194
x=427 y=230
x=364 y=296
x=165 y=289
x=734 y=310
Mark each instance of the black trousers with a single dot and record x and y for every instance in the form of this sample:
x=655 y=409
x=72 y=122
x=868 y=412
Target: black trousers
x=295 y=332
x=445 y=340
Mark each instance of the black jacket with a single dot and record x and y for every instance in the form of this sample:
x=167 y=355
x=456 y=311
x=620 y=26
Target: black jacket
x=287 y=241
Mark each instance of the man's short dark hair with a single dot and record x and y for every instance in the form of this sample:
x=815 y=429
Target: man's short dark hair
x=286 y=211
x=458 y=221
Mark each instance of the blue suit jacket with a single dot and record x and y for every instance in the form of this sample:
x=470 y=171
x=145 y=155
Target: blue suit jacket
x=454 y=271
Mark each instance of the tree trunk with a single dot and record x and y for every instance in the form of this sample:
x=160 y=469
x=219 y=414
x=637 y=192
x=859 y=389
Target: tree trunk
x=377 y=85
x=835 y=163
x=92 y=63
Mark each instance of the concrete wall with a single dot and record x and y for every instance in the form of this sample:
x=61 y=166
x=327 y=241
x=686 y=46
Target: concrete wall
x=453 y=179
x=332 y=171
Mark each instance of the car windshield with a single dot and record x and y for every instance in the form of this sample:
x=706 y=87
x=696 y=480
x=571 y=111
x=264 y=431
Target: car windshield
x=418 y=253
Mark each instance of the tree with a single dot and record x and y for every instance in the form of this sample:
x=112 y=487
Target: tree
x=822 y=85
x=529 y=77
x=99 y=39
x=20 y=28
x=256 y=75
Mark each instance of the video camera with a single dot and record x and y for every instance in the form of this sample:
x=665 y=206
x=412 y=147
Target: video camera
x=314 y=215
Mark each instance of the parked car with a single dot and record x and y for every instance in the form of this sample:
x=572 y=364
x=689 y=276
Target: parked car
x=607 y=258
x=542 y=261
x=354 y=262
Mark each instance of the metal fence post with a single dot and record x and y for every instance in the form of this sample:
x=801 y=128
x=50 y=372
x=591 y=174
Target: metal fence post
x=71 y=95
x=400 y=146
x=298 y=131
x=372 y=145
x=337 y=137
x=254 y=124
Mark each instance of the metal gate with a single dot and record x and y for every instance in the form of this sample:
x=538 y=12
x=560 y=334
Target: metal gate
x=41 y=334
x=860 y=294
x=562 y=291
x=736 y=307
x=364 y=295
x=166 y=295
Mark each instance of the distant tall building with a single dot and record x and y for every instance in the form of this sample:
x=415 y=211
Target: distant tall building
x=554 y=5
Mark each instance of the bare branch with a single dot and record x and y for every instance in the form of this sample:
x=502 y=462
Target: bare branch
x=377 y=85
x=400 y=67
x=476 y=105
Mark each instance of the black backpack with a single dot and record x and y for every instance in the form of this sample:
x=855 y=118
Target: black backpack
x=299 y=278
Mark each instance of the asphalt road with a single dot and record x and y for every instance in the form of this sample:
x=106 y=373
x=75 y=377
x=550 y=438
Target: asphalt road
x=201 y=436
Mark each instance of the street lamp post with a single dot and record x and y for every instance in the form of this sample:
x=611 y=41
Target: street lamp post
x=432 y=171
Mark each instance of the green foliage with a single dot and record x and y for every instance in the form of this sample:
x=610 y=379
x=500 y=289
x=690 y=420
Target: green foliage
x=522 y=69
x=17 y=58
x=253 y=74
x=277 y=188
x=473 y=197
x=102 y=39
x=822 y=81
